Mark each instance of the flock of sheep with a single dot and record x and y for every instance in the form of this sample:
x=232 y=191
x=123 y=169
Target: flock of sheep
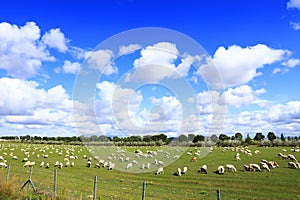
x=134 y=161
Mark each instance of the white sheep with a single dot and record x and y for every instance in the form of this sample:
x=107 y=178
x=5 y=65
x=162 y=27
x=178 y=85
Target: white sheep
x=292 y=165
x=111 y=166
x=230 y=167
x=60 y=165
x=292 y=157
x=178 y=172
x=160 y=171
x=161 y=163
x=129 y=165
x=184 y=170
x=3 y=165
x=42 y=164
x=56 y=164
x=29 y=164
x=255 y=167
x=89 y=163
x=72 y=164
x=272 y=164
x=148 y=166
x=220 y=170
x=15 y=158
x=67 y=164
x=264 y=166
x=203 y=169
x=47 y=165
x=134 y=162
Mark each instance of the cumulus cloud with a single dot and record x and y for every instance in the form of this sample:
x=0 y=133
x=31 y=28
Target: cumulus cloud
x=68 y=67
x=102 y=60
x=237 y=65
x=21 y=52
x=295 y=25
x=55 y=39
x=293 y=4
x=124 y=50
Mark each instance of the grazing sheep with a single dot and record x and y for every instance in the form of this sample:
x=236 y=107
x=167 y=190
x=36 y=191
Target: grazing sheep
x=247 y=168
x=60 y=165
x=160 y=171
x=230 y=167
x=255 y=167
x=15 y=158
x=203 y=169
x=67 y=164
x=161 y=163
x=256 y=151
x=97 y=165
x=3 y=165
x=56 y=164
x=129 y=165
x=47 y=166
x=72 y=164
x=25 y=160
x=292 y=165
x=292 y=157
x=42 y=164
x=89 y=163
x=264 y=166
x=194 y=159
x=134 y=162
x=176 y=157
x=184 y=170
x=143 y=166
x=272 y=164
x=179 y=172
x=111 y=166
x=220 y=170
x=29 y=164
x=148 y=166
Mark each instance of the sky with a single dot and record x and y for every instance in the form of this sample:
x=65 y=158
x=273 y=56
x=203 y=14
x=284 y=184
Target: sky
x=138 y=67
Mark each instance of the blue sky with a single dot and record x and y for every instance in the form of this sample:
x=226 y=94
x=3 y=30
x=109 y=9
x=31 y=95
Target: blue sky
x=149 y=83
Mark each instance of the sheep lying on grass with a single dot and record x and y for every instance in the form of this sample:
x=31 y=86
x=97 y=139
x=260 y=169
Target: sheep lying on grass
x=160 y=171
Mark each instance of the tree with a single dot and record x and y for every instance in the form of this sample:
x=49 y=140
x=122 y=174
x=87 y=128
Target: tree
x=214 y=138
x=282 y=137
x=182 y=138
x=259 y=137
x=248 y=139
x=271 y=136
x=191 y=137
x=198 y=138
x=238 y=136
x=223 y=137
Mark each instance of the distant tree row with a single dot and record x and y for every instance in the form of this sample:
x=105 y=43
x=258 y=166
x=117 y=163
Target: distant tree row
x=162 y=139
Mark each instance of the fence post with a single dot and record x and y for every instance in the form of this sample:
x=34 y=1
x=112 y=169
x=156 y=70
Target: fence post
x=7 y=175
x=144 y=191
x=95 y=188
x=55 y=178
x=218 y=195
x=28 y=187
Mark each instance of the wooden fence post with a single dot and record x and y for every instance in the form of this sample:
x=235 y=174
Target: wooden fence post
x=95 y=188
x=55 y=179
x=144 y=191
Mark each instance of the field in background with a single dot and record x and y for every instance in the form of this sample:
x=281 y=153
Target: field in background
x=77 y=182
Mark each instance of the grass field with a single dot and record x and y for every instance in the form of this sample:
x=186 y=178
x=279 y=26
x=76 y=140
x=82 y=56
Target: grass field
x=77 y=182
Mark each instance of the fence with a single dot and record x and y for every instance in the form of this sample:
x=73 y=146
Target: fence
x=55 y=189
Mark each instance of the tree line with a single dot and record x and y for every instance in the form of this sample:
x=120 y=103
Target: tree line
x=161 y=139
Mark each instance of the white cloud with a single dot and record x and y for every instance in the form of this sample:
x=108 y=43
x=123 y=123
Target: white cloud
x=293 y=4
x=291 y=63
x=237 y=65
x=276 y=70
x=55 y=39
x=21 y=53
x=295 y=25
x=242 y=95
x=68 y=68
x=124 y=50
x=102 y=60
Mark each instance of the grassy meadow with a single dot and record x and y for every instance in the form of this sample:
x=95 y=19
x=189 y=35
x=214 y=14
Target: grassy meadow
x=77 y=182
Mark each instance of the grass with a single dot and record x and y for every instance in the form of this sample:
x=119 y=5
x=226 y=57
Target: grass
x=77 y=182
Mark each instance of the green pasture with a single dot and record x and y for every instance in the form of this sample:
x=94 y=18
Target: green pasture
x=77 y=182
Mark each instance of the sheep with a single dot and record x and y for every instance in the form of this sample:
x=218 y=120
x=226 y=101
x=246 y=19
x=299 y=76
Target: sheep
x=3 y=165
x=256 y=151
x=111 y=166
x=176 y=157
x=247 y=168
x=1 y=158
x=160 y=171
x=129 y=165
x=230 y=167
x=42 y=164
x=272 y=164
x=292 y=157
x=25 y=160
x=179 y=172
x=89 y=163
x=67 y=164
x=15 y=158
x=220 y=170
x=134 y=162
x=60 y=165
x=264 y=166
x=194 y=159
x=203 y=169
x=184 y=170
x=148 y=166
x=255 y=167
x=292 y=165
x=47 y=166
x=143 y=166
x=56 y=164
x=161 y=163
x=29 y=164
x=72 y=164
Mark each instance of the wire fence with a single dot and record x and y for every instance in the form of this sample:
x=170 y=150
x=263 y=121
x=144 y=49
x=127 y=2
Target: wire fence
x=61 y=186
